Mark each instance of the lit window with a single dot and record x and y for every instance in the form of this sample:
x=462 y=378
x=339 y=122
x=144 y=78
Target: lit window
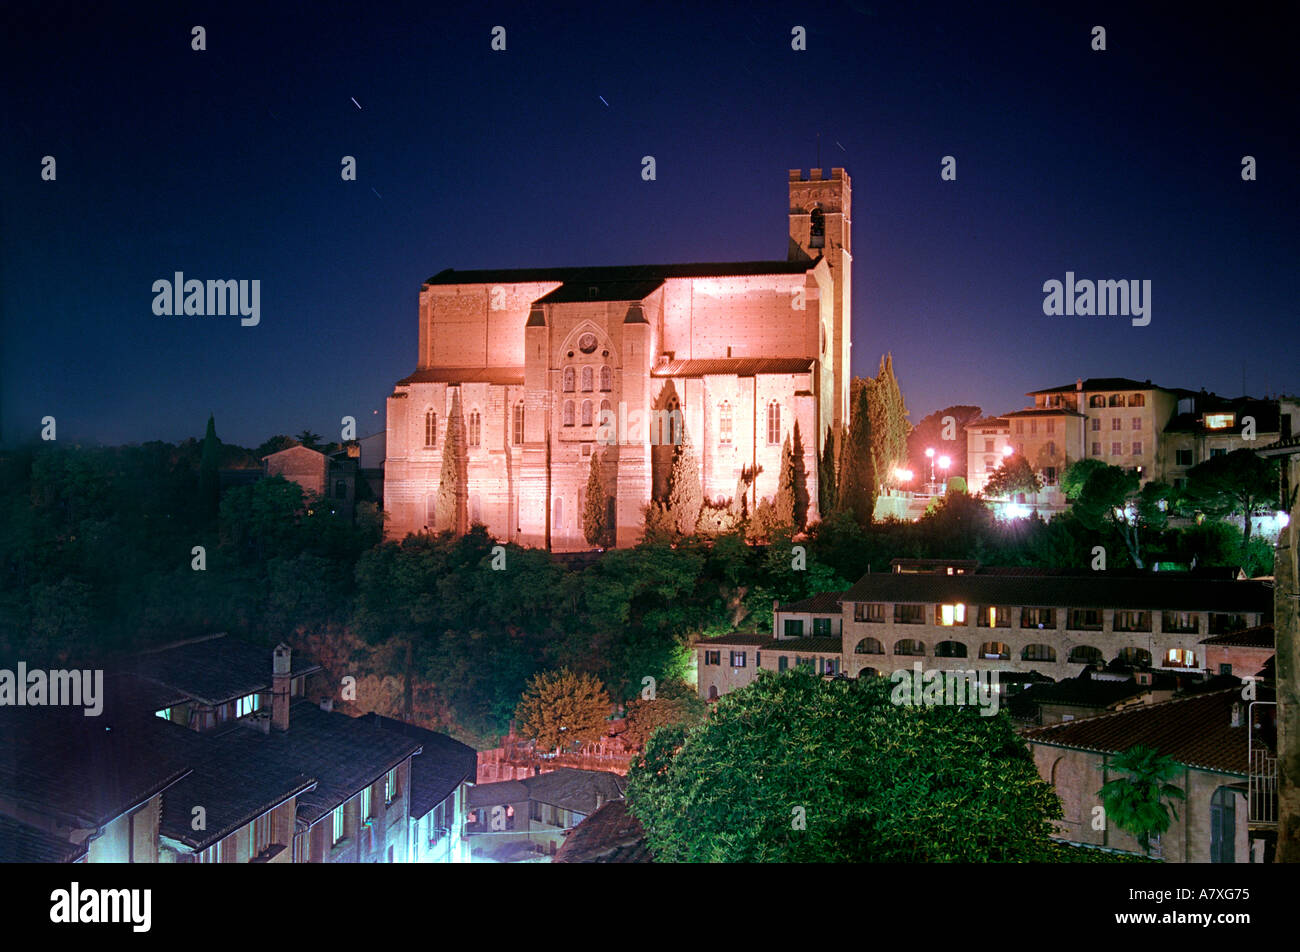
x=1219 y=421
x=248 y=704
x=738 y=659
x=337 y=831
x=365 y=804
x=950 y=615
x=390 y=786
x=165 y=713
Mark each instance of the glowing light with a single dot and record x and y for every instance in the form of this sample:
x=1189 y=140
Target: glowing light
x=929 y=452
x=1008 y=450
x=903 y=475
x=1283 y=519
x=944 y=462
x=1015 y=511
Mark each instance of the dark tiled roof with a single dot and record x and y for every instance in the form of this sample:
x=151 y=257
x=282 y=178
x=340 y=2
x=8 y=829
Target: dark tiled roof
x=739 y=639
x=213 y=669
x=1103 y=383
x=20 y=843
x=619 y=273
x=1084 y=691
x=1265 y=413
x=988 y=422
x=498 y=792
x=1259 y=637
x=1042 y=411
x=238 y=775
x=443 y=765
x=1287 y=447
x=821 y=603
x=1155 y=592
x=502 y=376
x=572 y=292
x=806 y=644
x=343 y=753
x=738 y=366
x=81 y=770
x=610 y=835
x=1194 y=731
x=581 y=791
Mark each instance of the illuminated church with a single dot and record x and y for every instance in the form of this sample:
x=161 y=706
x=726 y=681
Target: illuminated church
x=539 y=368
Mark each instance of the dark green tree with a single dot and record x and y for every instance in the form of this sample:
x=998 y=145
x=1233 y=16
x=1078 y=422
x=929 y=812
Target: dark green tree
x=685 y=492
x=783 y=505
x=1114 y=498
x=1237 y=483
x=795 y=768
x=274 y=445
x=1076 y=476
x=309 y=439
x=1015 y=475
x=856 y=482
x=826 y=496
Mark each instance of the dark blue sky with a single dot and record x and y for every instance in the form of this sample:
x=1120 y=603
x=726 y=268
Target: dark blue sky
x=225 y=164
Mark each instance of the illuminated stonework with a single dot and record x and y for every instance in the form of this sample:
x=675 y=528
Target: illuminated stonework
x=734 y=354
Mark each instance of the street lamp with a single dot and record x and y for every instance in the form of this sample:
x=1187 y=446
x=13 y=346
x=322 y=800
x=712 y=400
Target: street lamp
x=1008 y=450
x=929 y=454
x=944 y=463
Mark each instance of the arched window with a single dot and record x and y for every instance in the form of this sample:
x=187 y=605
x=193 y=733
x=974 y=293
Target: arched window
x=869 y=646
x=1085 y=654
x=1180 y=658
x=817 y=229
x=995 y=650
x=557 y=514
x=431 y=429
x=1096 y=400
x=517 y=424
x=568 y=413
x=909 y=646
x=724 y=422
x=950 y=649
x=568 y=379
x=606 y=379
x=1138 y=657
x=1116 y=400
x=1038 y=653
x=475 y=424
x=586 y=413
x=868 y=673
x=1137 y=400
x=713 y=692
x=586 y=379
x=774 y=423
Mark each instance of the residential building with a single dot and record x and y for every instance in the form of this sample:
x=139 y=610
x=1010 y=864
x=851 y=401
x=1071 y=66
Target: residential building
x=610 y=835
x=537 y=369
x=1241 y=653
x=959 y=615
x=1208 y=735
x=520 y=819
x=1207 y=425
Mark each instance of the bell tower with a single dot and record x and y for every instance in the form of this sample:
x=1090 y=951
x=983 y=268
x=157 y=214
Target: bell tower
x=821 y=216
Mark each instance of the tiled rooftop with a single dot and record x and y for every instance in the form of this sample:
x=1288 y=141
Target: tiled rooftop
x=1260 y=636
x=610 y=835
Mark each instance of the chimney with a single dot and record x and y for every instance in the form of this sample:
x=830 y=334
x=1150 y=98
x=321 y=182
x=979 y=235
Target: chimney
x=1236 y=713
x=1078 y=385
x=280 y=667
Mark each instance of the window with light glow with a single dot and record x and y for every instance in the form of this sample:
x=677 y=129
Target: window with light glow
x=337 y=825
x=247 y=705
x=1219 y=421
x=950 y=615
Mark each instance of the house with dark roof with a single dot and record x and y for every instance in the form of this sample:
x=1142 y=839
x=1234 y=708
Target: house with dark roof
x=610 y=835
x=1242 y=653
x=1228 y=775
x=1206 y=425
x=187 y=763
x=519 y=819
x=442 y=775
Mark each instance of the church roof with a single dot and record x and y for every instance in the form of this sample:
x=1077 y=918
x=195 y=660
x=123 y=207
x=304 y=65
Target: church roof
x=502 y=376
x=737 y=366
x=581 y=279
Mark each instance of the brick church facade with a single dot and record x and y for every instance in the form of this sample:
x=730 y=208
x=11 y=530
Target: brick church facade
x=539 y=368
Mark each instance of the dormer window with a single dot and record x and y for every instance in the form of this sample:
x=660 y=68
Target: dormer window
x=1219 y=421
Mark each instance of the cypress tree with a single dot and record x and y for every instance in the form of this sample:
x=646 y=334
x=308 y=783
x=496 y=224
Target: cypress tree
x=450 y=507
x=209 y=477
x=685 y=493
x=594 y=524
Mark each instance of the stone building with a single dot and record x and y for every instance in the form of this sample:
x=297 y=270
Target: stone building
x=538 y=369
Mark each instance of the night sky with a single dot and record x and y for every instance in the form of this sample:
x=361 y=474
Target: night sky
x=226 y=164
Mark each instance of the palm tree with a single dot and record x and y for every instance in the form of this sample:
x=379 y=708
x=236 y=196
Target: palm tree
x=1135 y=800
